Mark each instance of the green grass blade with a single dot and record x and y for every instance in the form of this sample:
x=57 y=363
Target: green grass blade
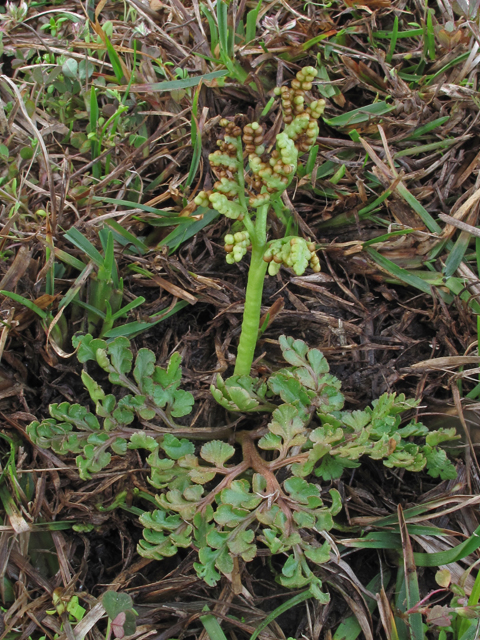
x=133 y=329
x=448 y=66
x=399 y=273
x=222 y=19
x=400 y=602
x=408 y=33
x=301 y=597
x=430 y=36
x=69 y=259
x=425 y=148
x=457 y=254
x=386 y=237
x=95 y=146
x=393 y=41
x=171 y=85
x=181 y=234
x=455 y=554
x=338 y=175
x=267 y=107
x=27 y=303
x=212 y=26
x=196 y=141
x=128 y=307
x=464 y=625
x=74 y=289
x=427 y=128
x=168 y=222
x=109 y=261
x=410 y=199
x=313 y=41
x=471 y=633
x=135 y=205
x=326 y=169
x=375 y=540
x=91 y=309
x=114 y=59
x=411 y=581
x=128 y=237
x=251 y=28
x=312 y=158
x=17 y=521
x=326 y=90
x=457 y=287
x=212 y=626
x=362 y=114
x=82 y=243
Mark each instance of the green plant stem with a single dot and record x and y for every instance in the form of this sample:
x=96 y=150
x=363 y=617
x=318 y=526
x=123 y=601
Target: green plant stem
x=253 y=294
x=251 y=314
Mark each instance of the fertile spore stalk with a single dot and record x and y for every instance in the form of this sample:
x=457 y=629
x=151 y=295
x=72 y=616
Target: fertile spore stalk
x=247 y=195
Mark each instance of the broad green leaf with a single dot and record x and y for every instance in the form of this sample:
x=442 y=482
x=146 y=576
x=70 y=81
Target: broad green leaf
x=158 y=550
x=435 y=438
x=304 y=520
x=119 y=446
x=303 y=492
x=332 y=468
x=116 y=603
x=270 y=442
x=357 y=420
x=141 y=441
x=217 y=452
x=93 y=462
x=70 y=68
x=158 y=520
x=238 y=494
x=230 y=516
x=318 y=555
x=317 y=362
x=182 y=403
x=201 y=475
x=175 y=448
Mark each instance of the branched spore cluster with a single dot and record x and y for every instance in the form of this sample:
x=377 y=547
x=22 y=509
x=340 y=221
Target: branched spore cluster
x=238 y=194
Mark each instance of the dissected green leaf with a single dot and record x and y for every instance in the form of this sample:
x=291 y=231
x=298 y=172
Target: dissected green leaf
x=227 y=510
x=87 y=347
x=143 y=371
x=287 y=424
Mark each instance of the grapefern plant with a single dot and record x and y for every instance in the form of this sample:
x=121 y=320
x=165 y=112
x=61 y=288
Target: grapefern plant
x=264 y=486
